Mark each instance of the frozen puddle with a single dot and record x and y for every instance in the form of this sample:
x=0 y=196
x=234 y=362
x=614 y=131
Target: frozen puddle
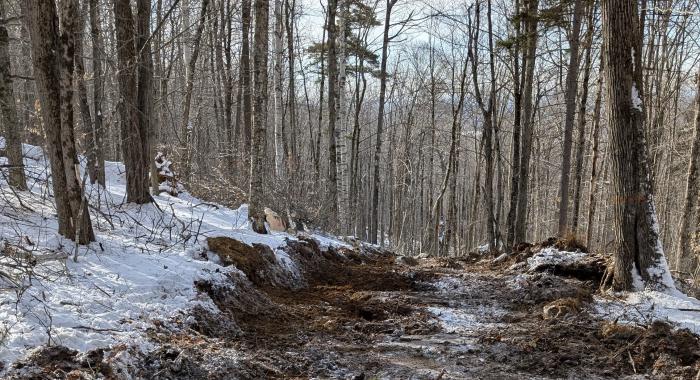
x=467 y=321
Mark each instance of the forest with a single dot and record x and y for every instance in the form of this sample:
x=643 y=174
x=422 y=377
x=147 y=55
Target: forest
x=349 y=189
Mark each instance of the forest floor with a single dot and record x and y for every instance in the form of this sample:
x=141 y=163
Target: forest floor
x=374 y=316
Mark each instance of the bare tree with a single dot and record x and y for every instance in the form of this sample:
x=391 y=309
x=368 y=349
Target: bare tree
x=257 y=159
x=134 y=121
x=570 y=98
x=13 y=141
x=54 y=78
x=638 y=251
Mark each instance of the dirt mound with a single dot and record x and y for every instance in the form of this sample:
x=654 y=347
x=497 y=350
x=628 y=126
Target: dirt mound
x=258 y=262
x=568 y=243
x=368 y=269
x=590 y=267
x=59 y=362
x=240 y=304
x=659 y=348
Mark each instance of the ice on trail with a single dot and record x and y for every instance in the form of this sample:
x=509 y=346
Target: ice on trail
x=141 y=268
x=466 y=320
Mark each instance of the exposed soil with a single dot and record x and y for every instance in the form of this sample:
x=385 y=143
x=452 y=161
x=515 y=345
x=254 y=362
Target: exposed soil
x=369 y=316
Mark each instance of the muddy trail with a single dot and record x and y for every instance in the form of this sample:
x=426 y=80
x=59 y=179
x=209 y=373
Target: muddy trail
x=376 y=316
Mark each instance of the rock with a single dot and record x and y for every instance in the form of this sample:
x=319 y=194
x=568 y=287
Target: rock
x=274 y=221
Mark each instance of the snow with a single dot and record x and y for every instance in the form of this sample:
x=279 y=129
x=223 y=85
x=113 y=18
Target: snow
x=646 y=306
x=465 y=320
x=636 y=99
x=141 y=268
x=553 y=256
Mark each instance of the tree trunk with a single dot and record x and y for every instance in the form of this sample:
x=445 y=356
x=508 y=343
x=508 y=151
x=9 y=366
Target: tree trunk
x=257 y=160
x=687 y=260
x=145 y=93
x=13 y=140
x=245 y=76
x=280 y=164
x=581 y=143
x=292 y=158
x=95 y=135
x=517 y=122
x=638 y=253
x=133 y=132
x=78 y=204
x=570 y=98
x=186 y=127
x=53 y=75
x=528 y=125
x=332 y=194
x=341 y=135
x=374 y=220
x=592 y=183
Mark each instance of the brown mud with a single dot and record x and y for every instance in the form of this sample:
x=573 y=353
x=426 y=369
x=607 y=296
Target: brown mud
x=366 y=315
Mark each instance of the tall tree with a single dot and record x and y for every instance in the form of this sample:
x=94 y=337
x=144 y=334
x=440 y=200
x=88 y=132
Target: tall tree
x=341 y=135
x=374 y=219
x=13 y=140
x=278 y=47
x=332 y=194
x=531 y=21
x=257 y=160
x=570 y=98
x=245 y=116
x=54 y=78
x=686 y=261
x=185 y=127
x=145 y=90
x=517 y=123
x=487 y=111
x=581 y=140
x=96 y=132
x=134 y=124
x=638 y=253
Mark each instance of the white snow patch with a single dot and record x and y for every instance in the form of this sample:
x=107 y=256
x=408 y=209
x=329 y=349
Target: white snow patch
x=454 y=320
x=553 y=256
x=636 y=99
x=649 y=305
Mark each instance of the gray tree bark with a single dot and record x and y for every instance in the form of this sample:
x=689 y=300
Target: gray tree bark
x=527 y=125
x=570 y=98
x=638 y=251
x=133 y=124
x=686 y=259
x=13 y=140
x=53 y=74
x=258 y=160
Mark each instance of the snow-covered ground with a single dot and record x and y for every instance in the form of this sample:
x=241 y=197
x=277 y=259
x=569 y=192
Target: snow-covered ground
x=642 y=306
x=141 y=268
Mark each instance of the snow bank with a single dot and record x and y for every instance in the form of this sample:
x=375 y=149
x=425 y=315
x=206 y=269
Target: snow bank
x=141 y=268
x=551 y=256
x=644 y=307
